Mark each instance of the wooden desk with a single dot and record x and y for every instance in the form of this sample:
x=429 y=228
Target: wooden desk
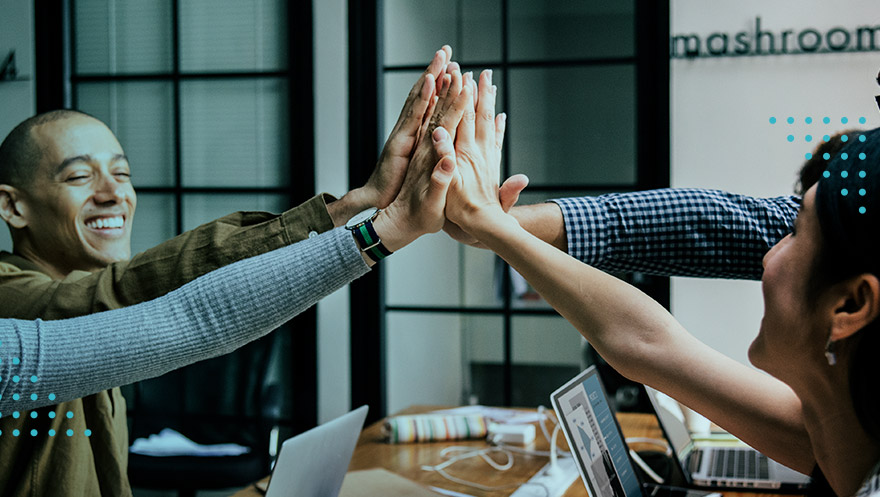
x=408 y=459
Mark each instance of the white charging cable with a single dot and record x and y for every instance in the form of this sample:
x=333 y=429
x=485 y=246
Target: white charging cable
x=641 y=462
x=468 y=452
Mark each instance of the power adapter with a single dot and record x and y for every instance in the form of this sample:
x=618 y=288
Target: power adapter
x=523 y=434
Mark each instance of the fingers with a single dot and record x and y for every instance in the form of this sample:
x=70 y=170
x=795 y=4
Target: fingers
x=509 y=192
x=441 y=176
x=485 y=118
x=420 y=95
x=445 y=112
x=500 y=127
x=441 y=59
x=465 y=133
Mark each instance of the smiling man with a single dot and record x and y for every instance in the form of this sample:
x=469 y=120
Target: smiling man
x=74 y=210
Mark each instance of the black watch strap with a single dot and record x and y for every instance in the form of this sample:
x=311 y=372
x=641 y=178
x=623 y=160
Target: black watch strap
x=369 y=242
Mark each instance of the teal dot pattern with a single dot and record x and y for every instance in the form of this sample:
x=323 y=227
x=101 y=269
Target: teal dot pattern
x=808 y=138
x=33 y=414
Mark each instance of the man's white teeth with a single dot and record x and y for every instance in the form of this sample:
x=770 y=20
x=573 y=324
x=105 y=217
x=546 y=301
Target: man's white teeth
x=108 y=222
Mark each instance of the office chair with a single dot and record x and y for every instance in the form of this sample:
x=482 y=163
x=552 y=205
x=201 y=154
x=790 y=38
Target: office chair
x=228 y=399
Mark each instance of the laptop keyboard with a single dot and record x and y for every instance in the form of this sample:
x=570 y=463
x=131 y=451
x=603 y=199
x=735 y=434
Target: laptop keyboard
x=738 y=463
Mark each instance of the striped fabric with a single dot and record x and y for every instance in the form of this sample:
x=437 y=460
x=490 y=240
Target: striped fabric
x=434 y=427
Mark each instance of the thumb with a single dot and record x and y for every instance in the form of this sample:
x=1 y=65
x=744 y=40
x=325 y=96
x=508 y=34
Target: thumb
x=443 y=143
x=509 y=192
x=441 y=177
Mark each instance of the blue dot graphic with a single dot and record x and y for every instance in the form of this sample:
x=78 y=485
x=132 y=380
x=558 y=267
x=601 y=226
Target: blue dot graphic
x=862 y=192
x=809 y=138
x=844 y=156
x=826 y=174
x=33 y=414
x=844 y=120
x=34 y=379
x=51 y=396
x=826 y=120
x=862 y=138
x=15 y=396
x=790 y=120
x=862 y=174
x=826 y=156
x=809 y=120
x=826 y=138
x=862 y=210
x=862 y=120
x=87 y=433
x=69 y=415
x=69 y=433
x=862 y=156
x=844 y=192
x=16 y=414
x=790 y=138
x=16 y=379
x=15 y=433
x=844 y=138
x=808 y=156
x=844 y=174
x=16 y=360
x=51 y=433
x=52 y=415
x=772 y=120
x=33 y=396
x=33 y=433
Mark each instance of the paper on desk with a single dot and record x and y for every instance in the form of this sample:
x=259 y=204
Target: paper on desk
x=496 y=414
x=372 y=482
x=169 y=443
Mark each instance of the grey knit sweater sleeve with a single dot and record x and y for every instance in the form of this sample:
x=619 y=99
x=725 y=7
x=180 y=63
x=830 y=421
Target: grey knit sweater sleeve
x=46 y=362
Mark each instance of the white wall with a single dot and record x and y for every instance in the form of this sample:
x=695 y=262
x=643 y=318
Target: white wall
x=722 y=137
x=17 y=98
x=331 y=175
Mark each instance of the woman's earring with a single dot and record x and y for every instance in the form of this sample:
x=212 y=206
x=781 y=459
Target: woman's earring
x=830 y=354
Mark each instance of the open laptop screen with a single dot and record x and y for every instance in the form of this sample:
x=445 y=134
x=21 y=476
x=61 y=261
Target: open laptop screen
x=594 y=435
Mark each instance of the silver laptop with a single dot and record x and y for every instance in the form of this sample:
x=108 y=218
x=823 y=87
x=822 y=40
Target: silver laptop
x=721 y=466
x=314 y=463
x=595 y=439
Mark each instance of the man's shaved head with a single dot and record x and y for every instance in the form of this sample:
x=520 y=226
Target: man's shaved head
x=20 y=153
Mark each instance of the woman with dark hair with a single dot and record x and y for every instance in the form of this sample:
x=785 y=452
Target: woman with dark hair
x=818 y=412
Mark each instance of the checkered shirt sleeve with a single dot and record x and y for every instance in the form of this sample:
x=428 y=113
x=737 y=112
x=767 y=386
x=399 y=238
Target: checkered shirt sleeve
x=677 y=232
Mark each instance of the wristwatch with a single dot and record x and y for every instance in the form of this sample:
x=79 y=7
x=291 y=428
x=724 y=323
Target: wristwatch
x=361 y=226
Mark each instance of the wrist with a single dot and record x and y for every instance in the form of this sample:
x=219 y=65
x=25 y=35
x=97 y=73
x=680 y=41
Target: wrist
x=394 y=235
x=350 y=204
x=485 y=226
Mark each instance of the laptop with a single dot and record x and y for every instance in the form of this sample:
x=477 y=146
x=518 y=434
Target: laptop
x=719 y=464
x=596 y=441
x=314 y=463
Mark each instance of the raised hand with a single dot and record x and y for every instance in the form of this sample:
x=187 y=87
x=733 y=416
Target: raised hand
x=473 y=198
x=385 y=181
x=419 y=206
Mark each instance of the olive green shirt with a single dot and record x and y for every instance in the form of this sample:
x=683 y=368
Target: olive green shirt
x=80 y=448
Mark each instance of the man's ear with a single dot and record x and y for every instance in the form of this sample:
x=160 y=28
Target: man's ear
x=12 y=209
x=857 y=305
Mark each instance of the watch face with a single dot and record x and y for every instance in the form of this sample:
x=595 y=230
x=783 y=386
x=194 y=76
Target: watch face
x=361 y=217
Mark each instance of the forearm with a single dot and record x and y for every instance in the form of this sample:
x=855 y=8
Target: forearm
x=210 y=316
x=677 y=232
x=544 y=221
